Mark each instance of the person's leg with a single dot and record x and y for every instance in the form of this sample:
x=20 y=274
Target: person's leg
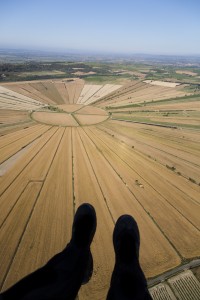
x=63 y=275
x=128 y=281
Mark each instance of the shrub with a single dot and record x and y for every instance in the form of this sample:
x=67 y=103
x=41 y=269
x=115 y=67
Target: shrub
x=192 y=180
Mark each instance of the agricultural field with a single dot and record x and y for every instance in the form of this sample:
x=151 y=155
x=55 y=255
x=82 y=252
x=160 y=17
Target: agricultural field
x=128 y=148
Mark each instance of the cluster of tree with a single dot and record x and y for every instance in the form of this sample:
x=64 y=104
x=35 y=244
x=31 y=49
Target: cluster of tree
x=24 y=71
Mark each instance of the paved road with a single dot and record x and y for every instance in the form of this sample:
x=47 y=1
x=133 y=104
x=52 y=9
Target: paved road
x=165 y=276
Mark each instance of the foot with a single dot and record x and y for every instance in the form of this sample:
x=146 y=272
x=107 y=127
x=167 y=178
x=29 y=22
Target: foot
x=84 y=226
x=126 y=240
x=77 y=254
x=83 y=230
x=128 y=280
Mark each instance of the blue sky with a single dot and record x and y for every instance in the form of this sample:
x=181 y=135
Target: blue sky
x=153 y=27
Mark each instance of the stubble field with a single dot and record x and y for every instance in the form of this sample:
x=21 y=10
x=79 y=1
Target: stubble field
x=49 y=169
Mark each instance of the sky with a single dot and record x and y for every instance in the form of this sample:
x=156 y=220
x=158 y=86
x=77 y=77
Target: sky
x=144 y=26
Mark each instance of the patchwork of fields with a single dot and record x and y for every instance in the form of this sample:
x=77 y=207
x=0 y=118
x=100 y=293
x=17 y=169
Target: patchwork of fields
x=89 y=154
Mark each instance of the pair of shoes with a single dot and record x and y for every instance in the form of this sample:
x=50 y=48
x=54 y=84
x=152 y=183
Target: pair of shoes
x=128 y=280
x=126 y=238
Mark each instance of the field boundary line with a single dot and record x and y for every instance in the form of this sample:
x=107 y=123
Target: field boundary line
x=158 y=191
x=126 y=185
x=14 y=140
x=17 y=246
x=177 y=270
x=105 y=200
x=167 y=152
x=145 y=123
x=73 y=190
x=141 y=154
x=31 y=213
x=29 y=161
x=67 y=92
x=77 y=121
x=13 y=206
x=18 y=123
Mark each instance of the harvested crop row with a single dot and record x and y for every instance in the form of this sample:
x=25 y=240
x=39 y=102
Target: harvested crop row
x=62 y=90
x=123 y=94
x=86 y=189
x=13 y=100
x=36 y=93
x=174 y=158
x=52 y=92
x=140 y=93
x=14 y=226
x=79 y=87
x=121 y=201
x=54 y=233
x=190 y=105
x=10 y=94
x=123 y=90
x=147 y=96
x=159 y=207
x=23 y=89
x=72 y=90
x=187 y=198
x=9 y=128
x=103 y=91
x=88 y=92
x=23 y=162
x=38 y=89
x=40 y=86
x=13 y=137
x=13 y=116
x=15 y=105
x=36 y=170
x=9 y=150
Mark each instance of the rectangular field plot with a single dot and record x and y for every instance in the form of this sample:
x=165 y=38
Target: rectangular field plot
x=87 y=92
x=103 y=91
x=185 y=286
x=162 y=292
x=177 y=150
x=13 y=117
x=15 y=101
x=140 y=93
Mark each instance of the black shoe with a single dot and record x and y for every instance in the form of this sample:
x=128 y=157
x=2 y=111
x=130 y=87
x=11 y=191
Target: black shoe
x=84 y=226
x=83 y=230
x=126 y=240
x=128 y=280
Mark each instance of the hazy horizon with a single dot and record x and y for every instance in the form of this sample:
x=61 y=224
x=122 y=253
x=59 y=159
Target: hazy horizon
x=152 y=28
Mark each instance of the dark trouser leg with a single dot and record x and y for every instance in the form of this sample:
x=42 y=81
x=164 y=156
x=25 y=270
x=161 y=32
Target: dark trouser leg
x=63 y=275
x=60 y=278
x=128 y=281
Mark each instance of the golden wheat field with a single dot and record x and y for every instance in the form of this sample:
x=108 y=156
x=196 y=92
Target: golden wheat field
x=63 y=143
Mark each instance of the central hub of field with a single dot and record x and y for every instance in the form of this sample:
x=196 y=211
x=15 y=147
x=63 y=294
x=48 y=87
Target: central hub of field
x=71 y=115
